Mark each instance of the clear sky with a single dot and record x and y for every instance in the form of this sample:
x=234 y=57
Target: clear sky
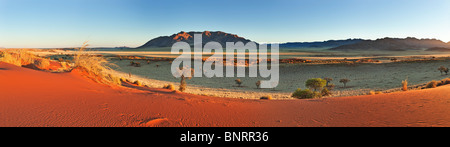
x=109 y=23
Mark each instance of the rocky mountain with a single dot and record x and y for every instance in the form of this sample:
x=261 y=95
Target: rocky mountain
x=393 y=44
x=207 y=36
x=320 y=44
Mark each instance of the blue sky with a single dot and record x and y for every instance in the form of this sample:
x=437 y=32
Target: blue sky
x=109 y=23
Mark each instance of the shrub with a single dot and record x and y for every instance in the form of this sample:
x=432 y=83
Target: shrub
x=18 y=57
x=238 y=82
x=325 y=92
x=258 y=84
x=305 y=94
x=443 y=69
x=42 y=63
x=169 y=86
x=95 y=66
x=432 y=84
x=183 y=84
x=328 y=81
x=315 y=83
x=405 y=85
x=446 y=81
x=114 y=79
x=344 y=81
x=331 y=86
x=267 y=97
x=375 y=92
x=138 y=83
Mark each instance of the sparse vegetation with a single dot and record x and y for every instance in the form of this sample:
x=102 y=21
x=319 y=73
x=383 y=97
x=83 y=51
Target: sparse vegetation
x=258 y=84
x=138 y=83
x=267 y=97
x=344 y=81
x=328 y=81
x=95 y=66
x=331 y=86
x=375 y=92
x=432 y=84
x=183 y=84
x=446 y=81
x=42 y=63
x=135 y=64
x=21 y=57
x=169 y=86
x=405 y=85
x=443 y=70
x=305 y=94
x=315 y=83
x=238 y=82
x=325 y=92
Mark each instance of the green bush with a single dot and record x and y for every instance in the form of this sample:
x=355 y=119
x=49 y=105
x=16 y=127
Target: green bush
x=315 y=83
x=305 y=94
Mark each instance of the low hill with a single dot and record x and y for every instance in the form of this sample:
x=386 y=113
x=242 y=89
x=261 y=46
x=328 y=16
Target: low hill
x=393 y=44
x=320 y=44
x=438 y=49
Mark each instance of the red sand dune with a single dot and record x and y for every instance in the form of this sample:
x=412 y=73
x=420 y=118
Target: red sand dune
x=37 y=98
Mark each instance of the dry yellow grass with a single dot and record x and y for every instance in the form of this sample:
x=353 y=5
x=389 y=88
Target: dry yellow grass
x=405 y=85
x=96 y=66
x=18 y=57
x=21 y=57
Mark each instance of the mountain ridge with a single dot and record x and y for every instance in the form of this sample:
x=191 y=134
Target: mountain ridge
x=393 y=44
x=207 y=36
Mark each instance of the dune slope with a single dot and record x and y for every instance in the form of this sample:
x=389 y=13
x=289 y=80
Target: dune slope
x=37 y=98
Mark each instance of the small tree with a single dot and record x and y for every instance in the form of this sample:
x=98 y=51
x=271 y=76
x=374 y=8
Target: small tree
x=344 y=81
x=183 y=78
x=328 y=80
x=443 y=69
x=239 y=82
x=258 y=84
x=315 y=83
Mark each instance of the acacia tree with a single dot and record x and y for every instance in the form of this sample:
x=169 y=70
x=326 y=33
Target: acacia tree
x=443 y=69
x=239 y=82
x=328 y=81
x=345 y=81
x=315 y=83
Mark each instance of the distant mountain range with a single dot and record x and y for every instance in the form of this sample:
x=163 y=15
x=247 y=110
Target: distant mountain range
x=320 y=44
x=384 y=44
x=394 y=44
x=207 y=36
